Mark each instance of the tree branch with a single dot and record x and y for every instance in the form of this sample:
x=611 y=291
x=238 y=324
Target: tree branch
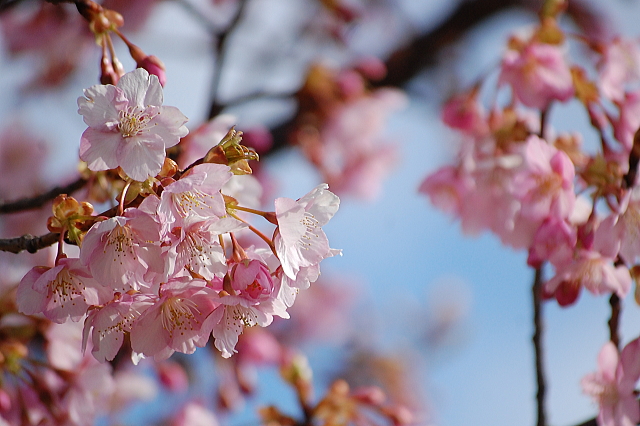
x=28 y=242
x=538 y=346
x=221 y=47
x=30 y=203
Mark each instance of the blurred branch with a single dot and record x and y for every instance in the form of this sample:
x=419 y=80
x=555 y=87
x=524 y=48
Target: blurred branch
x=538 y=346
x=423 y=51
x=614 y=321
x=221 y=47
x=30 y=203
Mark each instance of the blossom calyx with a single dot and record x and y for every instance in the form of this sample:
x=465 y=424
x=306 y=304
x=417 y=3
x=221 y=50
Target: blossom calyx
x=68 y=214
x=230 y=152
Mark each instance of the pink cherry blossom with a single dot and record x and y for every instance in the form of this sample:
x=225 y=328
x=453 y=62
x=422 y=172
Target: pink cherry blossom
x=128 y=126
x=62 y=292
x=619 y=67
x=538 y=74
x=197 y=193
x=197 y=246
x=194 y=414
x=107 y=325
x=627 y=227
x=592 y=270
x=299 y=239
x=625 y=127
x=253 y=301
x=544 y=183
x=176 y=321
x=613 y=385
x=122 y=253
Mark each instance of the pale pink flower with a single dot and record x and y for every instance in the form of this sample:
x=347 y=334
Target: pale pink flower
x=176 y=321
x=592 y=270
x=107 y=325
x=131 y=385
x=351 y=152
x=90 y=385
x=128 y=126
x=253 y=301
x=447 y=189
x=554 y=241
x=613 y=385
x=463 y=112
x=197 y=247
x=628 y=122
x=538 y=74
x=64 y=345
x=123 y=252
x=544 y=182
x=299 y=239
x=195 y=194
x=627 y=227
x=63 y=292
x=619 y=67
x=194 y=414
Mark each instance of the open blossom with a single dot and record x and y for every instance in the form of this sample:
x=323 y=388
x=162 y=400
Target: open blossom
x=251 y=299
x=300 y=241
x=619 y=67
x=128 y=126
x=538 y=74
x=176 y=321
x=195 y=194
x=64 y=291
x=613 y=385
x=107 y=325
x=544 y=183
x=196 y=245
x=120 y=252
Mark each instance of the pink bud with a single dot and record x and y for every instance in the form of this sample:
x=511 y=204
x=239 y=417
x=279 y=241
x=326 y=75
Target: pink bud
x=172 y=376
x=154 y=66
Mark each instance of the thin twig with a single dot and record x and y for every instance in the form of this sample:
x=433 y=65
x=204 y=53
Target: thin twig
x=614 y=321
x=40 y=200
x=221 y=45
x=538 y=347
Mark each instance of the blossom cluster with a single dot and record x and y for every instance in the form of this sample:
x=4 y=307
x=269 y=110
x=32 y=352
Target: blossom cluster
x=570 y=207
x=165 y=270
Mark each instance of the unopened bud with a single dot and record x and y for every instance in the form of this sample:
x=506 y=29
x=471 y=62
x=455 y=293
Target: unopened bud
x=155 y=67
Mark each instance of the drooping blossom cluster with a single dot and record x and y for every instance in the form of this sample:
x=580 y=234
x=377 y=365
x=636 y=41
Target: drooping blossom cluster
x=542 y=191
x=166 y=271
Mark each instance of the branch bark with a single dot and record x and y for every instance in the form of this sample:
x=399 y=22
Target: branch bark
x=30 y=203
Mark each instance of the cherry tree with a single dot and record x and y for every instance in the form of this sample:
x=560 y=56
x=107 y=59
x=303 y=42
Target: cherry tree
x=167 y=241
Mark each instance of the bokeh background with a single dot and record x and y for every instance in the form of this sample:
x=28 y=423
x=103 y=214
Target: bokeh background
x=452 y=312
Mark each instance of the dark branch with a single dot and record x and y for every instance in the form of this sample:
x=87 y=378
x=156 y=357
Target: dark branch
x=221 y=49
x=40 y=200
x=28 y=242
x=614 y=321
x=538 y=347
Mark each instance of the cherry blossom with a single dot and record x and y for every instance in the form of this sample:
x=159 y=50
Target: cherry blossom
x=128 y=126
x=538 y=74
x=613 y=385
x=250 y=299
x=108 y=324
x=62 y=292
x=121 y=251
x=197 y=193
x=176 y=321
x=299 y=239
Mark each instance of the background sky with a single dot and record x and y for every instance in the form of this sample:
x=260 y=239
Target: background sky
x=411 y=259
